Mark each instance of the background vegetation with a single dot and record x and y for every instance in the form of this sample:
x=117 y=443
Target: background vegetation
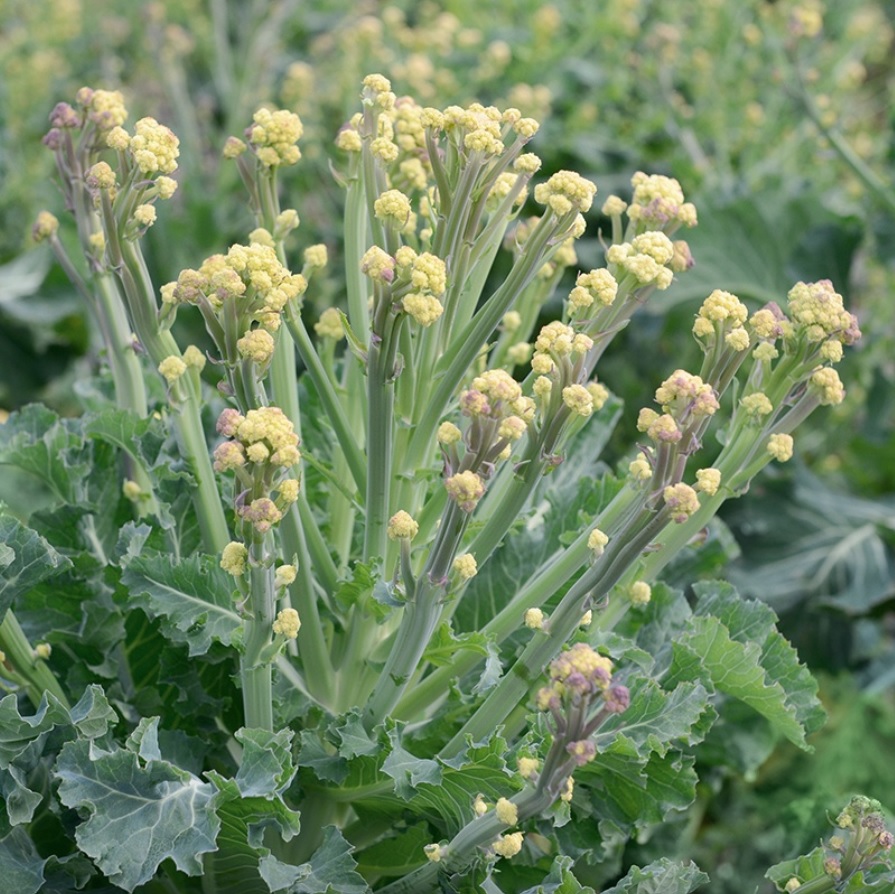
x=779 y=121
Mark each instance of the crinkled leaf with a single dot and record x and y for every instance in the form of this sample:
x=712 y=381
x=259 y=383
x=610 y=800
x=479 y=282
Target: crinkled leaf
x=707 y=652
x=267 y=766
x=363 y=590
x=479 y=768
x=750 y=620
x=661 y=877
x=560 y=880
x=321 y=757
x=444 y=645
x=804 y=868
x=234 y=867
x=490 y=674
x=193 y=598
x=657 y=720
x=354 y=740
x=331 y=870
x=20 y=801
x=635 y=791
x=141 y=438
x=26 y=560
x=36 y=440
x=93 y=715
x=406 y=769
x=21 y=866
x=19 y=734
x=138 y=813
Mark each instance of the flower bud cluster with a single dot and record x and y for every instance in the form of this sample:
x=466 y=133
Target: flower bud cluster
x=249 y=276
x=262 y=447
x=647 y=258
x=722 y=316
x=598 y=286
x=273 y=137
x=658 y=203
x=425 y=275
x=576 y=675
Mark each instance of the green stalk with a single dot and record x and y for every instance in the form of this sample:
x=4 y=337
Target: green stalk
x=328 y=397
x=543 y=647
x=255 y=670
x=312 y=644
x=477 y=833
x=160 y=344
x=380 y=436
x=453 y=365
x=422 y=612
x=33 y=673
x=552 y=576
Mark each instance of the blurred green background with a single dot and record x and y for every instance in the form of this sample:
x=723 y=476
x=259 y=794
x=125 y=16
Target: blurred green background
x=778 y=119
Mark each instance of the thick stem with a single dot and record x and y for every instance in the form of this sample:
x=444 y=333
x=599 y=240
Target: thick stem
x=255 y=670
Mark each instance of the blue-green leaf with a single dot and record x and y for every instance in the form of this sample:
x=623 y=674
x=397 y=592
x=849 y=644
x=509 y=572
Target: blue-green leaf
x=661 y=877
x=406 y=769
x=331 y=870
x=21 y=866
x=193 y=598
x=138 y=813
x=26 y=559
x=267 y=766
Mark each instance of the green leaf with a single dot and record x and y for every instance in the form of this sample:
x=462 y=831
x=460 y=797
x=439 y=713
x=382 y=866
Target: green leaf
x=234 y=868
x=478 y=769
x=657 y=720
x=661 y=877
x=138 y=813
x=804 y=868
x=193 y=597
x=21 y=866
x=93 y=715
x=36 y=440
x=707 y=652
x=266 y=767
x=331 y=870
x=560 y=880
x=141 y=438
x=753 y=621
x=354 y=739
x=365 y=591
x=397 y=855
x=406 y=769
x=25 y=560
x=444 y=645
x=633 y=790
x=18 y=733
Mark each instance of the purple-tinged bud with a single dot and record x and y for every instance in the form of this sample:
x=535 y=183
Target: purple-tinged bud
x=618 y=698
x=886 y=840
x=833 y=867
x=53 y=139
x=229 y=421
x=63 y=115
x=582 y=752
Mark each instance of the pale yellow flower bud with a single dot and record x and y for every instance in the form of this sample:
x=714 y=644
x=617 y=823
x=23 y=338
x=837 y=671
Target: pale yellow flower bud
x=596 y=541
x=508 y=845
x=465 y=567
x=172 y=368
x=534 y=619
x=401 y=526
x=285 y=575
x=506 y=811
x=287 y=623
x=234 y=557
